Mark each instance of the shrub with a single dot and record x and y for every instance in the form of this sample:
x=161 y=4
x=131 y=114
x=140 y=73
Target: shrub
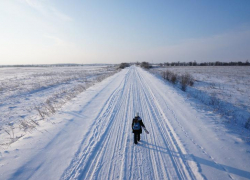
x=167 y=75
x=123 y=65
x=145 y=65
x=164 y=74
x=40 y=111
x=184 y=82
x=186 y=79
x=173 y=78
x=27 y=125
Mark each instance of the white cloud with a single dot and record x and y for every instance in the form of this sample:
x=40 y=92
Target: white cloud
x=60 y=15
x=48 y=10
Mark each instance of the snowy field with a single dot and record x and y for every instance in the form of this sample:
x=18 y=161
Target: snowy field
x=91 y=137
x=226 y=89
x=29 y=94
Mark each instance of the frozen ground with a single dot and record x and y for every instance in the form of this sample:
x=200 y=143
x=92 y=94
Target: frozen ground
x=91 y=137
x=224 y=88
x=26 y=91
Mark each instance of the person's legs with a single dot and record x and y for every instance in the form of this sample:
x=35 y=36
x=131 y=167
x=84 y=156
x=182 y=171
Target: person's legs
x=135 y=137
x=139 y=137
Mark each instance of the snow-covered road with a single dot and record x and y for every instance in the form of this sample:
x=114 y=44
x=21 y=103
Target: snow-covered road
x=92 y=138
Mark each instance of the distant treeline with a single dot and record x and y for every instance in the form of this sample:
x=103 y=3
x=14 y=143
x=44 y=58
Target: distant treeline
x=147 y=65
x=52 y=65
x=217 y=63
x=144 y=64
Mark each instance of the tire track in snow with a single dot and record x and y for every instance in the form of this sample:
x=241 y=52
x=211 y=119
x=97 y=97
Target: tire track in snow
x=93 y=139
x=138 y=169
x=141 y=163
x=182 y=169
x=125 y=139
x=113 y=147
x=85 y=156
x=154 y=156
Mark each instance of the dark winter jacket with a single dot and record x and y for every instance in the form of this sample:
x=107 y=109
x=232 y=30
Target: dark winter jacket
x=141 y=123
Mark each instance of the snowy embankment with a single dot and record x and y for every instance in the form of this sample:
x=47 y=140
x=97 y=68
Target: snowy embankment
x=31 y=94
x=91 y=137
x=224 y=90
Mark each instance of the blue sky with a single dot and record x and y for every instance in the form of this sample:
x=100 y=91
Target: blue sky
x=63 y=31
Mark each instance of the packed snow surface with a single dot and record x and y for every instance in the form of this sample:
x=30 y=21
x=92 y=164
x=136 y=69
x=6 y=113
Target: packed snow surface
x=91 y=137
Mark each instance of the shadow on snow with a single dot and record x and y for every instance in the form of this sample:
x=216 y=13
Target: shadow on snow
x=191 y=157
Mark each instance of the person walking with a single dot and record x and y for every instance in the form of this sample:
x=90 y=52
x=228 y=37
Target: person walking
x=137 y=125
